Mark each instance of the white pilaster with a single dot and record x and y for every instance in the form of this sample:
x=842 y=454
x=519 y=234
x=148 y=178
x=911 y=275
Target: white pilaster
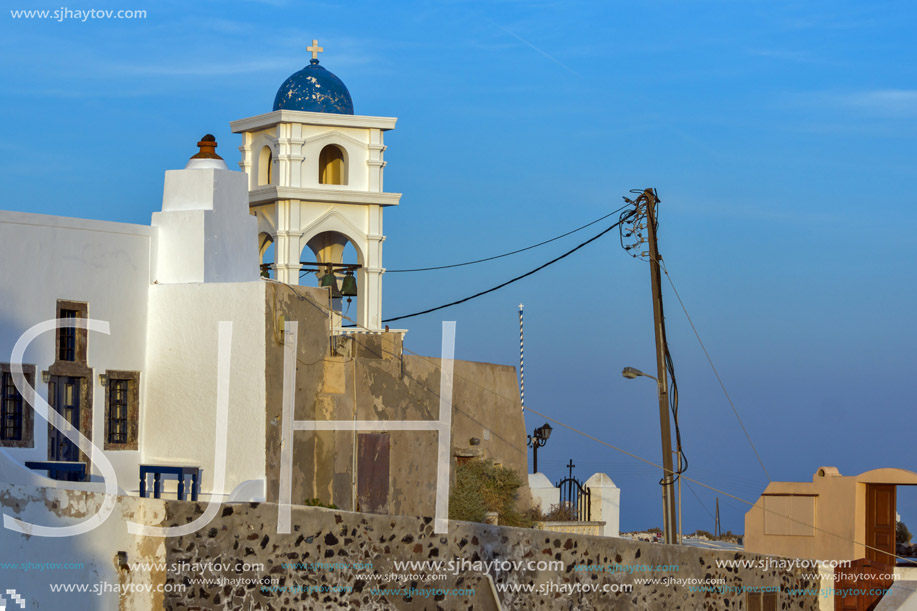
x=605 y=503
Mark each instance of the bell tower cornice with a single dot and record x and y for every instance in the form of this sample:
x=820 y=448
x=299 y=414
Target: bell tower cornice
x=276 y=117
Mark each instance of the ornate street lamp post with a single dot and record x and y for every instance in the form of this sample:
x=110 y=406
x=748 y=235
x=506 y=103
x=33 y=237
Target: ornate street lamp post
x=537 y=439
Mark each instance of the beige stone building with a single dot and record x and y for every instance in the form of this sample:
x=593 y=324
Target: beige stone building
x=833 y=517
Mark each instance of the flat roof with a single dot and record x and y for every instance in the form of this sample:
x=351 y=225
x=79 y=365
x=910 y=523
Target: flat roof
x=64 y=222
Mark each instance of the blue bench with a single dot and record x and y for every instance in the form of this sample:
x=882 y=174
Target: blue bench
x=180 y=472
x=53 y=467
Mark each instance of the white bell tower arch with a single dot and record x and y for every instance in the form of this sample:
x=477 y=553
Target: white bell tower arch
x=315 y=181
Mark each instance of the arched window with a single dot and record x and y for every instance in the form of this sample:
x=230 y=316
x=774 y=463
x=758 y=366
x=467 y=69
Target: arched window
x=265 y=161
x=331 y=170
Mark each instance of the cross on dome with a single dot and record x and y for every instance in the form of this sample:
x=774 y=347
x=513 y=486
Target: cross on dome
x=314 y=89
x=315 y=49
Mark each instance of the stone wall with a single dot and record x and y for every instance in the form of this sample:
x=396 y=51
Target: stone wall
x=369 y=377
x=344 y=559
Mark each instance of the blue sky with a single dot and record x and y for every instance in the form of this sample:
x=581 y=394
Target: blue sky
x=780 y=135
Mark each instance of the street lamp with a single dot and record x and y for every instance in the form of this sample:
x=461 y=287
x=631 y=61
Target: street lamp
x=632 y=373
x=537 y=439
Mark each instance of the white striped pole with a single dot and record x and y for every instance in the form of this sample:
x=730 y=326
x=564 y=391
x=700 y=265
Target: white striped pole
x=521 y=360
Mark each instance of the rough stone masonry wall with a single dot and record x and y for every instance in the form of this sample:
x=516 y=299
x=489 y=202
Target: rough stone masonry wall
x=206 y=564
x=246 y=532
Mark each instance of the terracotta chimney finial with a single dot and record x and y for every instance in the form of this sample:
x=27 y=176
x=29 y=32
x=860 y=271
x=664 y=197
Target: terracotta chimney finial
x=207 y=145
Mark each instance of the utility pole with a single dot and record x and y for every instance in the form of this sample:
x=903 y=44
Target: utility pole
x=716 y=524
x=668 y=498
x=680 y=534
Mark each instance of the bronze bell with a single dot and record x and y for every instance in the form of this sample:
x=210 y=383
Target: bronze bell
x=329 y=280
x=349 y=285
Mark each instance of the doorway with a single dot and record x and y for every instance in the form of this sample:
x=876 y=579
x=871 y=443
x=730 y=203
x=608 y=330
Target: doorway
x=64 y=398
x=881 y=523
x=373 y=457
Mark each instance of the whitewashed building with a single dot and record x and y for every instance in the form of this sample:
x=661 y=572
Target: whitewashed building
x=158 y=287
x=311 y=181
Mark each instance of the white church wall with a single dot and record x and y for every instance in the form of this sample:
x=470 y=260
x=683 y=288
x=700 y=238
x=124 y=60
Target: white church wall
x=354 y=143
x=231 y=232
x=181 y=382
x=352 y=221
x=296 y=159
x=297 y=138
x=105 y=264
x=205 y=232
x=178 y=249
x=252 y=160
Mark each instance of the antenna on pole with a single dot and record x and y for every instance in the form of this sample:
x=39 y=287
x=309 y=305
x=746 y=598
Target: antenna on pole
x=521 y=360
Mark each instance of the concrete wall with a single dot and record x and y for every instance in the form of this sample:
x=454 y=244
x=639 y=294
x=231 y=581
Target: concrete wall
x=246 y=532
x=309 y=307
x=835 y=513
x=46 y=258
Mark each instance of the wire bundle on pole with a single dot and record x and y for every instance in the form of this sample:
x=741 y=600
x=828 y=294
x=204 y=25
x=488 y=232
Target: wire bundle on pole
x=631 y=225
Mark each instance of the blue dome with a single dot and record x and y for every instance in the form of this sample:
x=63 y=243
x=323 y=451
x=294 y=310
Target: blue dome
x=314 y=89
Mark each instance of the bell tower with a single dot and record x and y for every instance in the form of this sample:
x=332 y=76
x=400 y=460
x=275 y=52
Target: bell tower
x=315 y=184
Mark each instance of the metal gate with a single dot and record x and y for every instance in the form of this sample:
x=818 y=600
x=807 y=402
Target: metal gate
x=576 y=497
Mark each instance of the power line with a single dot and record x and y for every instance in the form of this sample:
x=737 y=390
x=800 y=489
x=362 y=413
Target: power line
x=508 y=282
x=702 y=504
x=506 y=254
x=715 y=372
x=640 y=458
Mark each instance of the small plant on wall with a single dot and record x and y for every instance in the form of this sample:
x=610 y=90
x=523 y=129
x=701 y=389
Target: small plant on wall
x=560 y=513
x=902 y=534
x=318 y=503
x=481 y=487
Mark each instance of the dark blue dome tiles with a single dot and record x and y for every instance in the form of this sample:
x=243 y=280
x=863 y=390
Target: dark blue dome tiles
x=314 y=89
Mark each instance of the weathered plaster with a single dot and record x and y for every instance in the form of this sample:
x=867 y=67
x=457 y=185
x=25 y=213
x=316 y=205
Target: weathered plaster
x=368 y=377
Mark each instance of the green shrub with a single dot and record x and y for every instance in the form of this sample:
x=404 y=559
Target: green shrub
x=565 y=512
x=480 y=487
x=318 y=503
x=902 y=534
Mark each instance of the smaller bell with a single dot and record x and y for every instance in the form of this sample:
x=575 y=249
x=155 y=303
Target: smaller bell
x=349 y=285
x=329 y=280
